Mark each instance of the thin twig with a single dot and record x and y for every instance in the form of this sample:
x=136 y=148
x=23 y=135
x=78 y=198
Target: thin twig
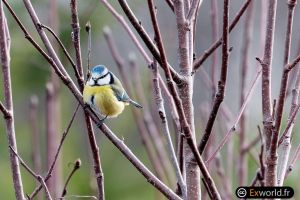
x=64 y=135
x=293 y=161
x=40 y=178
x=261 y=158
x=76 y=166
x=161 y=111
x=170 y=4
x=88 y=29
x=290 y=122
x=8 y=109
x=105 y=130
x=90 y=132
x=232 y=129
x=193 y=10
x=5 y=112
x=222 y=82
x=62 y=47
x=76 y=39
x=199 y=61
x=146 y=38
x=36 y=176
x=151 y=125
x=143 y=130
x=183 y=121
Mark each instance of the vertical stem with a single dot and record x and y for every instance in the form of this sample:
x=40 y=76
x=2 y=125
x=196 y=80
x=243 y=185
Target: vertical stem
x=284 y=151
x=35 y=137
x=222 y=82
x=161 y=111
x=242 y=162
x=186 y=92
x=143 y=131
x=53 y=119
x=51 y=137
x=92 y=140
x=9 y=120
x=211 y=187
x=266 y=93
x=266 y=72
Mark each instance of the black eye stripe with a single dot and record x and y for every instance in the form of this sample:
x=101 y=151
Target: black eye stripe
x=103 y=76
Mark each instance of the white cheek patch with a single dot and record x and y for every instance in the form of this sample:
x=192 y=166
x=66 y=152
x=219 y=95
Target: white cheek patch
x=104 y=81
x=91 y=82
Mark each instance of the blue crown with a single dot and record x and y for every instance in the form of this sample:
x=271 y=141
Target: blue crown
x=99 y=69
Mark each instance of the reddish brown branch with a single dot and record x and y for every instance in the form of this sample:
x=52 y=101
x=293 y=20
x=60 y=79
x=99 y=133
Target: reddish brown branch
x=90 y=132
x=199 y=61
x=183 y=121
x=221 y=84
x=145 y=135
x=146 y=38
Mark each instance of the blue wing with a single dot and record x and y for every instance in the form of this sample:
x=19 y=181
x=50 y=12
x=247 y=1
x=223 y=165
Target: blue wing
x=122 y=95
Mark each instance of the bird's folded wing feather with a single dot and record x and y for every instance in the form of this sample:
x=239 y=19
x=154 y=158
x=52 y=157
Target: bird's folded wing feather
x=120 y=93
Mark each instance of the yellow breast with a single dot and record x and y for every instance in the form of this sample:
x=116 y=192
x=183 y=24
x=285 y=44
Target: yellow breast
x=103 y=99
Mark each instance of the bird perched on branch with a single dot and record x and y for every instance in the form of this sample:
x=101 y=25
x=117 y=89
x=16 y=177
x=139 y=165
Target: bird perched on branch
x=105 y=94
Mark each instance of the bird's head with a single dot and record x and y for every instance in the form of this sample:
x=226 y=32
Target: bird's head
x=100 y=76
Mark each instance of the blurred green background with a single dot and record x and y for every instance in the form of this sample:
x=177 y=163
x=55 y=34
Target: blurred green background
x=30 y=73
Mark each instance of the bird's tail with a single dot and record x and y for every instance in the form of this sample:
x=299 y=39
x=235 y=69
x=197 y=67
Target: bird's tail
x=135 y=104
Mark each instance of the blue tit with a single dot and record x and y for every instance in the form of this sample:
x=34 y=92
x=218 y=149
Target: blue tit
x=105 y=94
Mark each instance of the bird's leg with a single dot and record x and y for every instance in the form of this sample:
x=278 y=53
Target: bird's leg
x=101 y=121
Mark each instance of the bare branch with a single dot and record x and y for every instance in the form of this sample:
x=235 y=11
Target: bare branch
x=144 y=130
x=5 y=112
x=221 y=84
x=199 y=61
x=193 y=10
x=147 y=40
x=106 y=131
x=76 y=39
x=8 y=109
x=64 y=135
x=232 y=129
x=290 y=122
x=161 y=110
x=62 y=47
x=293 y=161
x=183 y=121
x=36 y=176
x=76 y=166
x=170 y=4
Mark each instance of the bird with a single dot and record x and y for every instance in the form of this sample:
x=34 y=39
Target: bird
x=104 y=93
